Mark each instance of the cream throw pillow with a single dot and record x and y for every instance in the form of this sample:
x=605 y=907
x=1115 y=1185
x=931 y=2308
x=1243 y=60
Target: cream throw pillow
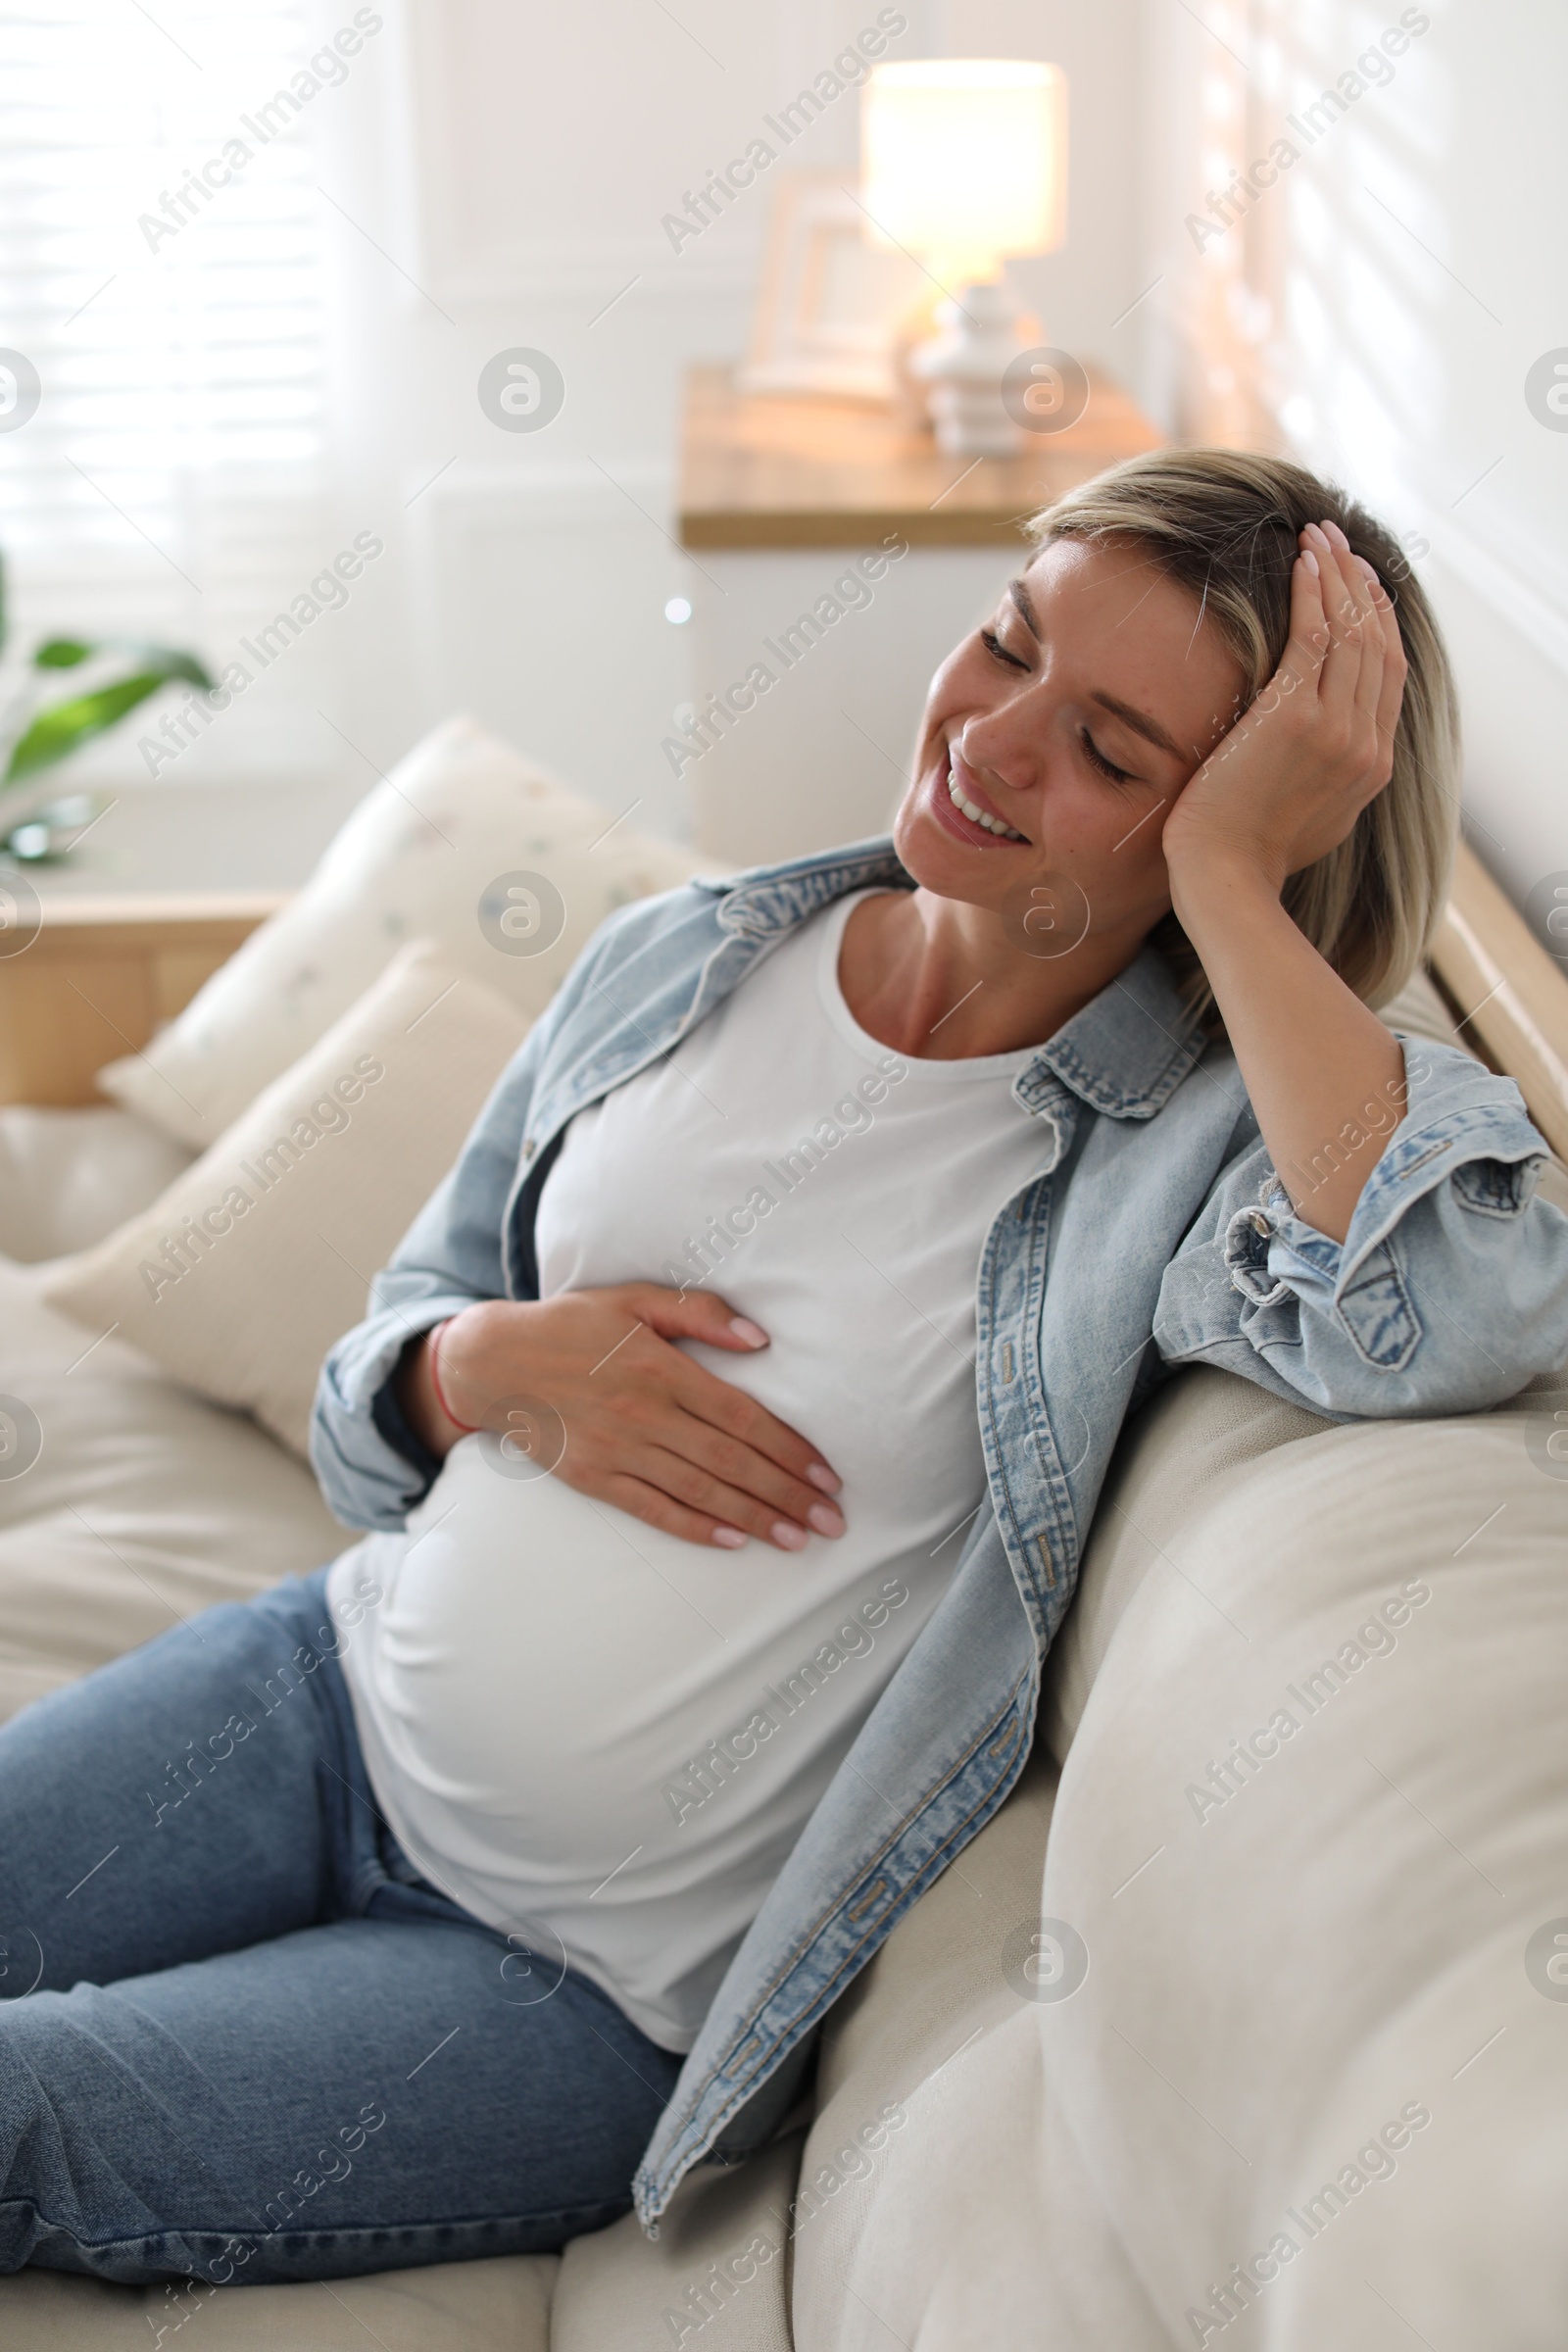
x=465 y=843
x=241 y=1275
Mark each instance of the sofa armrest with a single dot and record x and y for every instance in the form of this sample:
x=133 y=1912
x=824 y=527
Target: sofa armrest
x=1511 y=998
x=101 y=976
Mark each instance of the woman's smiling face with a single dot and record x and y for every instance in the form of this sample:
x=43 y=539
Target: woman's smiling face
x=1058 y=736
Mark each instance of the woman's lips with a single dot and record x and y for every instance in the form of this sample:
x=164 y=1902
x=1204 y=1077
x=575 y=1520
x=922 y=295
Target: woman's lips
x=954 y=778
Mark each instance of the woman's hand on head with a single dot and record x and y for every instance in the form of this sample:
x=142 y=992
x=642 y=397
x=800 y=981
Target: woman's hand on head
x=1283 y=789
x=646 y=1426
x=1286 y=785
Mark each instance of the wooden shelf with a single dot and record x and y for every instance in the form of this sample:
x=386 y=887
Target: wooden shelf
x=101 y=976
x=763 y=471
x=139 y=915
x=104 y=972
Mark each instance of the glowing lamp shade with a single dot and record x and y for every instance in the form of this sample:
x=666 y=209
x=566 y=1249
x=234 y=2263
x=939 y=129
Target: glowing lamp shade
x=964 y=160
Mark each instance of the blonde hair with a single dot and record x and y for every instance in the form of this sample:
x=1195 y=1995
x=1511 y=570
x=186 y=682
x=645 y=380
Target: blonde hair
x=1223 y=523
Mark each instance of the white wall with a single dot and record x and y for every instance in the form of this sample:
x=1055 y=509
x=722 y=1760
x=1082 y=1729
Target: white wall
x=493 y=175
x=537 y=568
x=1377 y=311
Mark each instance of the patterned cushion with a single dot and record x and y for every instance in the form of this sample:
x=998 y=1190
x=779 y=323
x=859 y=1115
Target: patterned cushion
x=465 y=843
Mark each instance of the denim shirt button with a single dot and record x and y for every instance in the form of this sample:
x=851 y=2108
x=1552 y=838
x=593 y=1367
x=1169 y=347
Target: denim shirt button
x=528 y=1149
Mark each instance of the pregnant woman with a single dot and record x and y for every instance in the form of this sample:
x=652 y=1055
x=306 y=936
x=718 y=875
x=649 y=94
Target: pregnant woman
x=730 y=1425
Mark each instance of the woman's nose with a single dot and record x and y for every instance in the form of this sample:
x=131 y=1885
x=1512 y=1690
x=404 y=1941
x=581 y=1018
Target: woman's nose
x=999 y=755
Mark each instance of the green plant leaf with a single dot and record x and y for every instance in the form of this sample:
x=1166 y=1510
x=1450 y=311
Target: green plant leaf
x=66 y=726
x=54 y=733
x=166 y=659
x=63 y=653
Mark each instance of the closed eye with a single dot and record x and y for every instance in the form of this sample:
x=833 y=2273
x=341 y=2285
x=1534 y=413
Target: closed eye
x=1096 y=758
x=1091 y=749
x=999 y=651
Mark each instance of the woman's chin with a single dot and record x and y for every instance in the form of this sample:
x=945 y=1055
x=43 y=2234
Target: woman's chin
x=948 y=869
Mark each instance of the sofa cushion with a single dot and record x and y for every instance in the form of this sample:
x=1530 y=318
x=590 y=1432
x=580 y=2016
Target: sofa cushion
x=311 y=1190
x=429 y=853
x=1321 y=1970
x=496 y=2306
x=1201 y=1433
x=69 y=1177
x=717 y=2273
x=1311 y=1830
x=972 y=2221
x=144 y=1505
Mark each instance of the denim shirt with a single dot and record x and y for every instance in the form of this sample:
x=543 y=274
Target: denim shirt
x=1153 y=1234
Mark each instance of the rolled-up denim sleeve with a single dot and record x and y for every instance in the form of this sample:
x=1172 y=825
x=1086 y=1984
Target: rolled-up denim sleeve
x=372 y=1469
x=1449 y=1291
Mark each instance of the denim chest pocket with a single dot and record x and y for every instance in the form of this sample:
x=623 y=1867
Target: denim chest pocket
x=1376 y=1311
x=1496 y=1188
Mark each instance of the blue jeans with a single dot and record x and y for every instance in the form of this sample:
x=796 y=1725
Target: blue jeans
x=240 y=2038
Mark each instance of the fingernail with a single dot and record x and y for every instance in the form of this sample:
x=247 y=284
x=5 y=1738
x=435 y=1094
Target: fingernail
x=730 y=1539
x=1332 y=531
x=825 y=1519
x=745 y=1329
x=1310 y=561
x=1370 y=571
x=821 y=1475
x=787 y=1535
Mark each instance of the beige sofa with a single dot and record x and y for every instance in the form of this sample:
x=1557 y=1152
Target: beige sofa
x=1172 y=2013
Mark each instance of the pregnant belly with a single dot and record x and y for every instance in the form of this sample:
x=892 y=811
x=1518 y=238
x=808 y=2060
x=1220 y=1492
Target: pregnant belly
x=550 y=1665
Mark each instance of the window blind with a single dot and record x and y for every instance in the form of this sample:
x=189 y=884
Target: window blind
x=170 y=482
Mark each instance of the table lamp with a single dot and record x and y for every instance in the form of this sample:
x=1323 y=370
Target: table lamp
x=964 y=161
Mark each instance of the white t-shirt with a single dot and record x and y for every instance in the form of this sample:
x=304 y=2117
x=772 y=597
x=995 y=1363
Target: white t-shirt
x=604 y=1738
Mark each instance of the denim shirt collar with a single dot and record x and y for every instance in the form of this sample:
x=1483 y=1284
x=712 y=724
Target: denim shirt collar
x=1129 y=1049
x=1125 y=1053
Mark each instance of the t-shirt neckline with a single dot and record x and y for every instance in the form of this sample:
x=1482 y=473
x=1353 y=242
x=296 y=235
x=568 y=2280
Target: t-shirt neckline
x=834 y=919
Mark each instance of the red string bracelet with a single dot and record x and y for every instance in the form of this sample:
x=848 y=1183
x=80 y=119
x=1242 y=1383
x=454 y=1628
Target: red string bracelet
x=468 y=1427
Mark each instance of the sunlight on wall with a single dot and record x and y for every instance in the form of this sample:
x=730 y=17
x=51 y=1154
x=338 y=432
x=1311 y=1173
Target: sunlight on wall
x=1367 y=265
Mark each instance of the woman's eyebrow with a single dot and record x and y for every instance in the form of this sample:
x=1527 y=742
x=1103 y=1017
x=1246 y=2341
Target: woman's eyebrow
x=1140 y=722
x=1020 y=597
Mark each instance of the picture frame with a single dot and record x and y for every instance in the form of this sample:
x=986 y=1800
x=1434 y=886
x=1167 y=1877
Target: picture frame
x=829 y=303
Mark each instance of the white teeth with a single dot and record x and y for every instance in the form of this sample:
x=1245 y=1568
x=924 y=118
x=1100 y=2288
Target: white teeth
x=978 y=816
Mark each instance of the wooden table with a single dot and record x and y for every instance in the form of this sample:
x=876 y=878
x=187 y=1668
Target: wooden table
x=782 y=472
x=775 y=494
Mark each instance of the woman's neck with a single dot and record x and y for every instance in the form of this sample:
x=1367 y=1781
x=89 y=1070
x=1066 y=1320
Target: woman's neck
x=942 y=981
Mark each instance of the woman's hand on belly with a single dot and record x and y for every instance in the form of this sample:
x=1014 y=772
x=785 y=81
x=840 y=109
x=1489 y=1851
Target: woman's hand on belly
x=647 y=1427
